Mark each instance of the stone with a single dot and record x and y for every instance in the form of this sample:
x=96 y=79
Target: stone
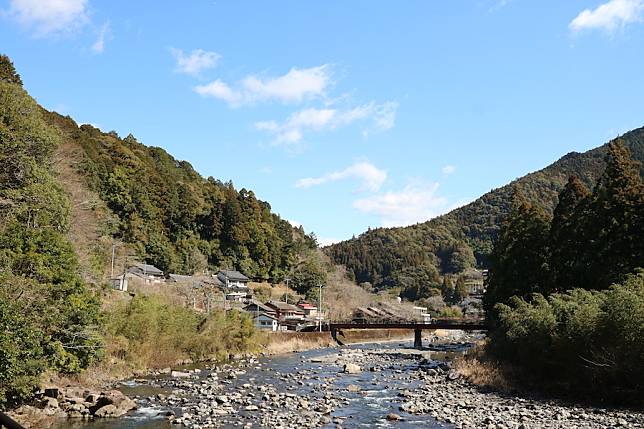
x=393 y=417
x=353 y=388
x=106 y=411
x=179 y=374
x=351 y=368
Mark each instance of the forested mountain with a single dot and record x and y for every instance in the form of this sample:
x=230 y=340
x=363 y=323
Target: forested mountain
x=464 y=236
x=173 y=217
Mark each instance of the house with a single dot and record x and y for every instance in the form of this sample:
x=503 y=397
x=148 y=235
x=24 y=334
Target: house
x=310 y=310
x=422 y=314
x=257 y=307
x=179 y=278
x=233 y=279
x=475 y=280
x=148 y=273
x=285 y=311
x=119 y=283
x=266 y=321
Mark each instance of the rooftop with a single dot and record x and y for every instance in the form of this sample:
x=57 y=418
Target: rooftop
x=233 y=275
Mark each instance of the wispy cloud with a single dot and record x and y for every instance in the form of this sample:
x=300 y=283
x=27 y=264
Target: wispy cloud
x=196 y=61
x=99 y=46
x=416 y=202
x=49 y=17
x=291 y=131
x=448 y=169
x=295 y=86
x=609 y=16
x=370 y=177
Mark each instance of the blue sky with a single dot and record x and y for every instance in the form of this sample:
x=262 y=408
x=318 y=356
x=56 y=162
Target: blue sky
x=343 y=115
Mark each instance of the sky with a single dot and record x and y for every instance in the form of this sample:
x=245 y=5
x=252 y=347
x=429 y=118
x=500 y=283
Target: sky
x=343 y=115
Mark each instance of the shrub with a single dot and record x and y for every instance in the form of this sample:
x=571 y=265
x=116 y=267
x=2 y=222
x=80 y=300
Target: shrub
x=581 y=340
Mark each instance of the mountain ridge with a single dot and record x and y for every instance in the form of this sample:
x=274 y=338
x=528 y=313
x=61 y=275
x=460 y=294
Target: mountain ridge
x=463 y=237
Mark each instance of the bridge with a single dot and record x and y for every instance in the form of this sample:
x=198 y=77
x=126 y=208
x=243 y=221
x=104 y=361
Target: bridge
x=418 y=327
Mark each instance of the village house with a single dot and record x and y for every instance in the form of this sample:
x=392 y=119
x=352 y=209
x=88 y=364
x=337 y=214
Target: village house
x=257 y=307
x=309 y=309
x=233 y=279
x=475 y=280
x=285 y=311
x=147 y=273
x=266 y=322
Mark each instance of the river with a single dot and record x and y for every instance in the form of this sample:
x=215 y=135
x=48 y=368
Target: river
x=364 y=399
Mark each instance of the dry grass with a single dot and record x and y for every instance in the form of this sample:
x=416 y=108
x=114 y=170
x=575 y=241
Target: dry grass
x=288 y=342
x=89 y=216
x=482 y=371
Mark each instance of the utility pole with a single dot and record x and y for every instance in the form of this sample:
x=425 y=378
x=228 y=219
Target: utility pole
x=113 y=250
x=320 y=307
x=287 y=280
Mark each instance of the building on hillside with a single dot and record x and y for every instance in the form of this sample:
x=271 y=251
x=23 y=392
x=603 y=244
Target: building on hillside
x=266 y=321
x=147 y=273
x=285 y=311
x=257 y=307
x=179 y=278
x=475 y=280
x=309 y=309
x=422 y=314
x=119 y=283
x=233 y=279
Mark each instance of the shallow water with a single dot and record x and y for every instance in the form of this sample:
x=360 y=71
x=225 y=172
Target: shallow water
x=367 y=408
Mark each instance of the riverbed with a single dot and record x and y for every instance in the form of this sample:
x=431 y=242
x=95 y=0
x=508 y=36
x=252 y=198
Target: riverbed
x=394 y=386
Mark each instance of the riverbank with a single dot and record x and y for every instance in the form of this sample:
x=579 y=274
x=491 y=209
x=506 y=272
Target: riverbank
x=388 y=384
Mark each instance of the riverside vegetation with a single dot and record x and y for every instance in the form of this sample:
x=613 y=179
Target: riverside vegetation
x=565 y=294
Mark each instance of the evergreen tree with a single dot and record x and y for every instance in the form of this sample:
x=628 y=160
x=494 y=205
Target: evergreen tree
x=568 y=269
x=447 y=290
x=461 y=291
x=8 y=71
x=519 y=260
x=614 y=220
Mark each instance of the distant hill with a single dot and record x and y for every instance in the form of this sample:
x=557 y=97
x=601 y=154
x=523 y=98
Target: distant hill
x=464 y=236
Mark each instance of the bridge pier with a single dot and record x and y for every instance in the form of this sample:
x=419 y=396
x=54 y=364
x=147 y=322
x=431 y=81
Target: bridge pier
x=418 y=338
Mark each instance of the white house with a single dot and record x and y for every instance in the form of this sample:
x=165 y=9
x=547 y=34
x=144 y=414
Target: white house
x=233 y=279
x=266 y=321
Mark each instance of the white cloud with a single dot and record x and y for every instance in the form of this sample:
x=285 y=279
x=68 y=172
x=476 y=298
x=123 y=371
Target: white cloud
x=295 y=86
x=370 y=176
x=99 y=46
x=609 y=16
x=417 y=202
x=50 y=17
x=195 y=62
x=291 y=131
x=448 y=169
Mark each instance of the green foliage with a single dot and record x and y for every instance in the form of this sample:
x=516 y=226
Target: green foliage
x=519 y=261
x=47 y=314
x=308 y=275
x=418 y=282
x=177 y=220
x=376 y=255
x=586 y=341
x=150 y=332
x=8 y=71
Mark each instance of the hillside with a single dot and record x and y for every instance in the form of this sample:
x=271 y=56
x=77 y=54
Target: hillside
x=464 y=237
x=164 y=211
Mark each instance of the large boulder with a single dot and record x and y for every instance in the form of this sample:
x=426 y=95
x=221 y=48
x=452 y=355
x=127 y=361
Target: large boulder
x=351 y=368
x=121 y=404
